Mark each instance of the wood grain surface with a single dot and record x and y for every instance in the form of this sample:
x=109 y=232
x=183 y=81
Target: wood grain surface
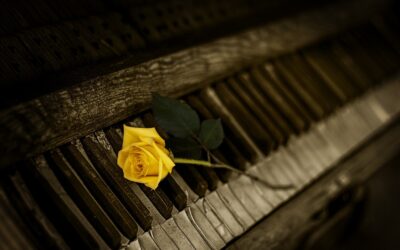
x=56 y=118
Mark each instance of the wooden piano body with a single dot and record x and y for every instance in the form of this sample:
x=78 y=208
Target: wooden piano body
x=309 y=98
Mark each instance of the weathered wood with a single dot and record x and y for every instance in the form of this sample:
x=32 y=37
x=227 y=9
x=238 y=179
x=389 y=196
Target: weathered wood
x=53 y=119
x=285 y=228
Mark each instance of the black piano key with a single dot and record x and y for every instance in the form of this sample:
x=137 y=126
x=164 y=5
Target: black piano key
x=335 y=79
x=349 y=64
x=65 y=205
x=99 y=189
x=114 y=177
x=303 y=77
x=239 y=135
x=223 y=174
x=193 y=178
x=85 y=201
x=362 y=57
x=378 y=48
x=234 y=153
x=245 y=118
x=264 y=118
x=264 y=85
x=114 y=139
x=157 y=197
x=292 y=81
x=13 y=233
x=228 y=146
x=267 y=106
x=149 y=121
x=35 y=218
x=280 y=84
x=174 y=192
x=210 y=176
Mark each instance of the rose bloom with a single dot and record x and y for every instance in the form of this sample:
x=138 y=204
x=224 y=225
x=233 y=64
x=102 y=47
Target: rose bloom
x=143 y=157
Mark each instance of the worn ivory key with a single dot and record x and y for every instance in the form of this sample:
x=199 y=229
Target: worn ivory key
x=171 y=228
x=223 y=213
x=246 y=192
x=146 y=242
x=214 y=220
x=182 y=221
x=204 y=227
x=161 y=238
x=235 y=206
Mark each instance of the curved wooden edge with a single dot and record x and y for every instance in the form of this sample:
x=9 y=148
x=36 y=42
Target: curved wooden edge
x=48 y=121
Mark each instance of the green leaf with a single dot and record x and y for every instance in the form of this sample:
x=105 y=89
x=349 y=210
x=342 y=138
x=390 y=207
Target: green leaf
x=184 y=147
x=211 y=133
x=175 y=117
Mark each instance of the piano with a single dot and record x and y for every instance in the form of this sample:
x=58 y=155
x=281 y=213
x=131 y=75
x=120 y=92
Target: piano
x=308 y=94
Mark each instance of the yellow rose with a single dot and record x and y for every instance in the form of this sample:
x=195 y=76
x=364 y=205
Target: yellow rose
x=143 y=157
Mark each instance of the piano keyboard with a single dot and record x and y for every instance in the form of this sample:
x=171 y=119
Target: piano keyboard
x=288 y=121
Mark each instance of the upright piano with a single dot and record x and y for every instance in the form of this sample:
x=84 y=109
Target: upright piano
x=308 y=93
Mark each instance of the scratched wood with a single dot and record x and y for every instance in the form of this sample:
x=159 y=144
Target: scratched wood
x=48 y=121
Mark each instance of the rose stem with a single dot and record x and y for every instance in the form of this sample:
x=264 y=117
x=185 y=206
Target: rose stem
x=224 y=166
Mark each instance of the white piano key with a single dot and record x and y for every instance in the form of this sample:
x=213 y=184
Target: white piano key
x=314 y=152
x=388 y=98
x=235 y=206
x=311 y=152
x=297 y=151
x=184 y=224
x=359 y=122
x=204 y=227
x=214 y=220
x=284 y=176
x=146 y=242
x=223 y=213
x=269 y=194
x=298 y=176
x=335 y=132
x=363 y=107
x=351 y=131
x=336 y=150
x=267 y=175
x=274 y=169
x=328 y=153
x=290 y=173
x=376 y=107
x=161 y=238
x=134 y=245
x=305 y=176
x=255 y=194
x=318 y=150
x=177 y=236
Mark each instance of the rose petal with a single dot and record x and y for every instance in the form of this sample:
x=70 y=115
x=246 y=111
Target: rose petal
x=132 y=135
x=122 y=157
x=168 y=163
